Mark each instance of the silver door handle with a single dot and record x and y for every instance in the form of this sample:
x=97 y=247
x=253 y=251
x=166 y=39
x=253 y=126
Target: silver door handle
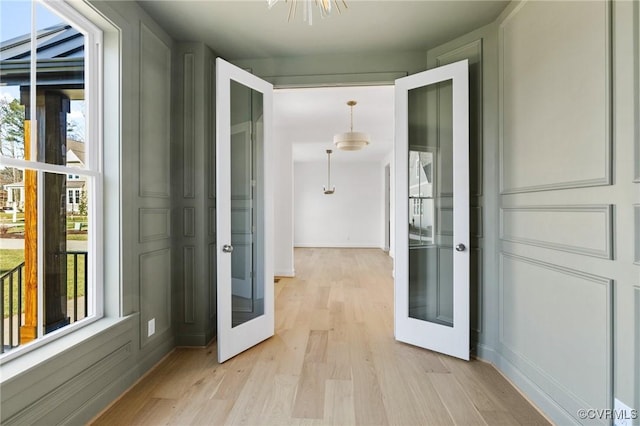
x=227 y=248
x=460 y=247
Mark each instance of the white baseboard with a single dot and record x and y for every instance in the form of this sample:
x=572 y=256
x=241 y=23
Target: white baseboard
x=337 y=245
x=289 y=273
x=547 y=407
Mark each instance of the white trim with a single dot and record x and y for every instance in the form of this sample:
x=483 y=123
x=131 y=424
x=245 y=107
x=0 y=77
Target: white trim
x=288 y=273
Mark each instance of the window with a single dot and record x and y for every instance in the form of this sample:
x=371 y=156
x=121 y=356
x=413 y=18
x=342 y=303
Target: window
x=50 y=281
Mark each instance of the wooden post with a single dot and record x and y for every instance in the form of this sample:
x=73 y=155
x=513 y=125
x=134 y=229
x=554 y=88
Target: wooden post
x=29 y=330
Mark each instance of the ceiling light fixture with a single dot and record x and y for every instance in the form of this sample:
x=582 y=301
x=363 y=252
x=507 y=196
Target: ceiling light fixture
x=307 y=8
x=327 y=189
x=351 y=141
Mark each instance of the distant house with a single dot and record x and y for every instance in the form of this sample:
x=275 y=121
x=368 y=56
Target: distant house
x=76 y=184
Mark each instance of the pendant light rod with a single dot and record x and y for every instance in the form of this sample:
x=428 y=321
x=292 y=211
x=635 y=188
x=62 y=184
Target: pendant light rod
x=351 y=105
x=329 y=191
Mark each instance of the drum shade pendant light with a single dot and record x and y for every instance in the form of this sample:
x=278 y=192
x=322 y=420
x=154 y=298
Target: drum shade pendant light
x=327 y=189
x=351 y=141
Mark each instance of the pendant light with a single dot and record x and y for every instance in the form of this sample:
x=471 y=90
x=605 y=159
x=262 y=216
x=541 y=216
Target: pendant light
x=330 y=190
x=351 y=141
x=324 y=7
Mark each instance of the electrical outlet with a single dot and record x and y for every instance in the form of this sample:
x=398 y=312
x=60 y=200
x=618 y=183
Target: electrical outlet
x=623 y=414
x=151 y=327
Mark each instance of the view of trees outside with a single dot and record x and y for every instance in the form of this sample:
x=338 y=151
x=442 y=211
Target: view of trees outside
x=11 y=137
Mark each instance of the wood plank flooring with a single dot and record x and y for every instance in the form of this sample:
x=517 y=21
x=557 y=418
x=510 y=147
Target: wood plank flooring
x=333 y=360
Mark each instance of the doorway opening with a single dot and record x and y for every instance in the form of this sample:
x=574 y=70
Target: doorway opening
x=358 y=214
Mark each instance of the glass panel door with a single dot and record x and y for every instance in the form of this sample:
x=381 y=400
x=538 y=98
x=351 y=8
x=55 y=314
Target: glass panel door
x=243 y=221
x=432 y=192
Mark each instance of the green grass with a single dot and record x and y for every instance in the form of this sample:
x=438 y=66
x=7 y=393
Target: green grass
x=7 y=226
x=8 y=217
x=9 y=259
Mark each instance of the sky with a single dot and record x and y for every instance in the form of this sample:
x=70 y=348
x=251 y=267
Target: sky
x=15 y=20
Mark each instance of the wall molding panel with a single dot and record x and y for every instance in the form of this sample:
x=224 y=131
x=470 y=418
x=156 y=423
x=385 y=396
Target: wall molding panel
x=476 y=221
x=476 y=291
x=38 y=411
x=560 y=227
x=154 y=224
x=636 y=233
x=155 y=292
x=580 y=302
x=188 y=127
x=212 y=280
x=532 y=134
x=212 y=221
x=188 y=284
x=189 y=222
x=155 y=115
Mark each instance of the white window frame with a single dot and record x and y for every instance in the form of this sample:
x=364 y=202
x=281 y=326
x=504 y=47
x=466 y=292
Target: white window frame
x=93 y=173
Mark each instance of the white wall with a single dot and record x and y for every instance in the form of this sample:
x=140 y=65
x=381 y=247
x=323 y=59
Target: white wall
x=351 y=217
x=283 y=207
x=389 y=160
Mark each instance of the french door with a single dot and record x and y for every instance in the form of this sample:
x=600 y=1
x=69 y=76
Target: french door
x=244 y=219
x=432 y=210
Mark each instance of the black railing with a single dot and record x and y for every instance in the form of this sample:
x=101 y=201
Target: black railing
x=12 y=297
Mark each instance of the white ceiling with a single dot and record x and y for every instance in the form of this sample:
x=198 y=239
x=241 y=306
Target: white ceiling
x=246 y=29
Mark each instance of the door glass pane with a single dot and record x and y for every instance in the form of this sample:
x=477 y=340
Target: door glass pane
x=431 y=203
x=247 y=272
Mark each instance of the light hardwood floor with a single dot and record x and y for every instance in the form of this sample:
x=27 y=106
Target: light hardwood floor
x=333 y=360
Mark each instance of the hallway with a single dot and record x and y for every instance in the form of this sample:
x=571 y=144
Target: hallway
x=333 y=360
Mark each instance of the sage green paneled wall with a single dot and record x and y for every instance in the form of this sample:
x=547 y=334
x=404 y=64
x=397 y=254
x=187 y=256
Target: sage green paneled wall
x=193 y=202
x=72 y=379
x=557 y=311
x=559 y=316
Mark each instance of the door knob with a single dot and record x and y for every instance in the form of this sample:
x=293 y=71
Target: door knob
x=227 y=248
x=460 y=247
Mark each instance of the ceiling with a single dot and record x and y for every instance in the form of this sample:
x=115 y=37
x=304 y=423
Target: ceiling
x=242 y=29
